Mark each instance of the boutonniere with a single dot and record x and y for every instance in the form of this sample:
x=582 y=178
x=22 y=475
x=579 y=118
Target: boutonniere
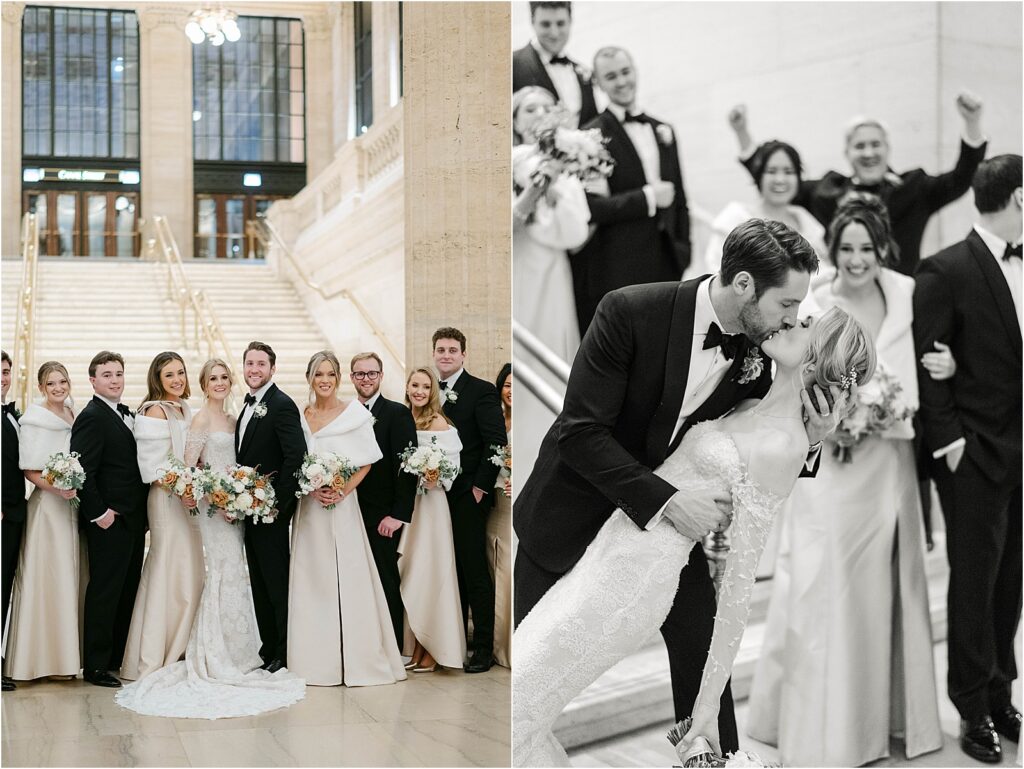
x=259 y=410
x=449 y=395
x=753 y=365
x=584 y=73
x=373 y=420
x=664 y=134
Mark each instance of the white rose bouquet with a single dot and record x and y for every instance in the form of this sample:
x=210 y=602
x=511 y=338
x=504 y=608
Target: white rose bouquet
x=430 y=463
x=179 y=479
x=581 y=153
x=326 y=470
x=502 y=457
x=63 y=471
x=240 y=491
x=878 y=408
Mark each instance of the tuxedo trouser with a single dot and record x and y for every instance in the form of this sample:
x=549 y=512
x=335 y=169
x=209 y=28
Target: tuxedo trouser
x=687 y=632
x=115 y=566
x=983 y=543
x=385 y=555
x=10 y=535
x=267 y=553
x=476 y=588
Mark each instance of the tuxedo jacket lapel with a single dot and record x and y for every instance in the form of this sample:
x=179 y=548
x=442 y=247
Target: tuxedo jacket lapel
x=115 y=416
x=250 y=429
x=622 y=146
x=541 y=73
x=677 y=370
x=1000 y=291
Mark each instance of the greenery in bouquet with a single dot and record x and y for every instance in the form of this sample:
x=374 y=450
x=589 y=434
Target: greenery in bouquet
x=502 y=457
x=179 y=479
x=324 y=470
x=879 y=406
x=64 y=471
x=429 y=463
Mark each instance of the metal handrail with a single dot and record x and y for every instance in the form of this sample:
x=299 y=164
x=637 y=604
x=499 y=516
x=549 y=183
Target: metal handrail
x=551 y=360
x=265 y=230
x=161 y=246
x=534 y=382
x=25 y=326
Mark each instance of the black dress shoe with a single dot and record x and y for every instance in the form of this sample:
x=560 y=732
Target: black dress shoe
x=479 y=662
x=273 y=666
x=101 y=678
x=979 y=740
x=1007 y=722
x=8 y=685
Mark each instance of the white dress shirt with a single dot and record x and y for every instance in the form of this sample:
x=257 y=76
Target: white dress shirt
x=563 y=78
x=452 y=379
x=646 y=145
x=17 y=427
x=247 y=412
x=369 y=403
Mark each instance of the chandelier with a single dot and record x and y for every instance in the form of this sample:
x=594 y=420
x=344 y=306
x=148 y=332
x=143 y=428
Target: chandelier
x=213 y=25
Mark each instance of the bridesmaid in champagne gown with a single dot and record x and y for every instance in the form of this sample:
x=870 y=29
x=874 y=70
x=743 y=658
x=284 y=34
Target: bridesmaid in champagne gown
x=339 y=625
x=499 y=535
x=172 y=578
x=43 y=639
x=434 y=632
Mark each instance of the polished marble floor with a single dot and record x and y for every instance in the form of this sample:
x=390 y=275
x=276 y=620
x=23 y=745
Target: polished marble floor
x=445 y=718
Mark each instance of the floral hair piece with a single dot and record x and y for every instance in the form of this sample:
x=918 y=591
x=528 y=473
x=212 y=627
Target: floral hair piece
x=846 y=381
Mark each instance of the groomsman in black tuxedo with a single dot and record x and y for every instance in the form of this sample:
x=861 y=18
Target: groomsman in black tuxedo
x=268 y=436
x=643 y=226
x=112 y=515
x=14 y=507
x=969 y=295
x=543 y=62
x=386 y=495
x=474 y=408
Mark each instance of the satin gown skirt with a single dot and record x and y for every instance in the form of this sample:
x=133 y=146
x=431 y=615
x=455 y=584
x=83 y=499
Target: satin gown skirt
x=44 y=637
x=848 y=658
x=339 y=625
x=170 y=588
x=430 y=585
x=499 y=557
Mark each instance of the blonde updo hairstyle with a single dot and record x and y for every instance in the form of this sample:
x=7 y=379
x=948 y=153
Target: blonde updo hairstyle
x=841 y=350
x=207 y=371
x=433 y=407
x=44 y=372
x=314 y=364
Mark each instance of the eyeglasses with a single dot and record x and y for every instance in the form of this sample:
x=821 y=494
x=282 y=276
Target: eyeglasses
x=361 y=375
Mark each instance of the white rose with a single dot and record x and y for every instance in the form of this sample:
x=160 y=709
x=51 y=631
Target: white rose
x=315 y=470
x=244 y=500
x=239 y=487
x=260 y=494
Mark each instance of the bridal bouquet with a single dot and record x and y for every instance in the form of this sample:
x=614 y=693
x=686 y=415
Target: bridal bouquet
x=502 y=457
x=582 y=153
x=699 y=752
x=179 y=479
x=326 y=470
x=240 y=491
x=429 y=463
x=879 y=406
x=63 y=471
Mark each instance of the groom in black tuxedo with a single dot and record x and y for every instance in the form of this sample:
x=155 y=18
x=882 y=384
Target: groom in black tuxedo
x=474 y=408
x=112 y=514
x=386 y=495
x=268 y=436
x=654 y=363
x=643 y=226
x=542 y=62
x=14 y=505
x=969 y=295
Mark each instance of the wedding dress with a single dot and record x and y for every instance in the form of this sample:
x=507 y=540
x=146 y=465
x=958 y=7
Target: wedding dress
x=619 y=593
x=220 y=675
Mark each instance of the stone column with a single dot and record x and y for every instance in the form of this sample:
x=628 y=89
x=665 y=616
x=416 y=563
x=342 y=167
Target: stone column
x=10 y=127
x=457 y=113
x=385 y=57
x=165 y=93
x=342 y=69
x=319 y=139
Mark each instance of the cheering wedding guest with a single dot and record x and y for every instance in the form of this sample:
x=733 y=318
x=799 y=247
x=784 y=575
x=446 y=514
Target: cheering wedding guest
x=499 y=535
x=621 y=590
x=339 y=625
x=969 y=296
x=473 y=407
x=430 y=584
x=542 y=62
x=911 y=197
x=13 y=499
x=172 y=579
x=550 y=215
x=386 y=495
x=220 y=676
x=643 y=226
x=268 y=435
x=112 y=514
x=847 y=657
x=43 y=639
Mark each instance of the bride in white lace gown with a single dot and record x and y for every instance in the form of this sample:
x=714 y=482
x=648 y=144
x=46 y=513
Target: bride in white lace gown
x=618 y=595
x=220 y=676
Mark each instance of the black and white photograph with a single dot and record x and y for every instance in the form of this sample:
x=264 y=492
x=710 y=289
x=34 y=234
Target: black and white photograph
x=767 y=345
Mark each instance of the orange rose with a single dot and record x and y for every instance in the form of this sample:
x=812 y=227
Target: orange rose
x=260 y=483
x=508 y=462
x=431 y=476
x=239 y=475
x=169 y=479
x=219 y=498
x=337 y=483
x=188 y=490
x=49 y=478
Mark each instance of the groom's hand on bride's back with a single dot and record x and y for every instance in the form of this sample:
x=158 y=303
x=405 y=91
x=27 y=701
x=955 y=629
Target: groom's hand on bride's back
x=697 y=513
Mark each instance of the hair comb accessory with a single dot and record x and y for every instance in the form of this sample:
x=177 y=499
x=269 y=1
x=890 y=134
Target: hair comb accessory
x=846 y=381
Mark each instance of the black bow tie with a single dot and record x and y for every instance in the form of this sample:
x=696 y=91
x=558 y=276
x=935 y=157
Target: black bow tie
x=250 y=399
x=123 y=410
x=561 y=60
x=639 y=117
x=9 y=408
x=444 y=385
x=730 y=343
x=1011 y=251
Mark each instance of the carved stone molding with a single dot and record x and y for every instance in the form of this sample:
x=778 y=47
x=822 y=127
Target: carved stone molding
x=153 y=16
x=13 y=12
